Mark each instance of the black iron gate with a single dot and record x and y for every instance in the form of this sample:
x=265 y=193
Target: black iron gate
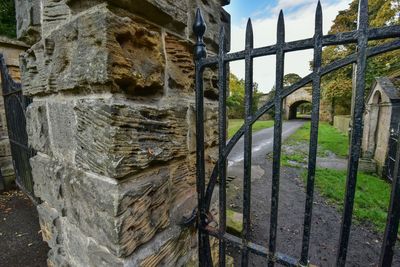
x=15 y=104
x=361 y=36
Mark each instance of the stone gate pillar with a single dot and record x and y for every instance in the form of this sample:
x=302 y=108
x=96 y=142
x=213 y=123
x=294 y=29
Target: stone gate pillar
x=113 y=124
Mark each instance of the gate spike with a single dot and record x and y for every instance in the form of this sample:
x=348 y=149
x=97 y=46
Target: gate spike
x=318 y=18
x=247 y=139
x=280 y=34
x=249 y=35
x=277 y=143
x=199 y=28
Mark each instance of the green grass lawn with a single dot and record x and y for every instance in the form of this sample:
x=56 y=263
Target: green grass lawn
x=235 y=124
x=371 y=199
x=329 y=139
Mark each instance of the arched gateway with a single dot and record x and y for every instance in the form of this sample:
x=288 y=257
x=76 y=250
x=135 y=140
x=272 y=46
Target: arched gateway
x=294 y=100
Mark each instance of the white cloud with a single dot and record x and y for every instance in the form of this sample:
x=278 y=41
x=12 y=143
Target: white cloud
x=287 y=4
x=299 y=25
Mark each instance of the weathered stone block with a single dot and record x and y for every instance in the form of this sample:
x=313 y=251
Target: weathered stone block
x=54 y=13
x=180 y=69
x=210 y=126
x=85 y=251
x=114 y=138
x=49 y=224
x=166 y=13
x=215 y=17
x=28 y=20
x=51 y=128
x=48 y=181
x=172 y=247
x=180 y=65
x=120 y=216
x=97 y=51
x=37 y=127
x=118 y=139
x=62 y=127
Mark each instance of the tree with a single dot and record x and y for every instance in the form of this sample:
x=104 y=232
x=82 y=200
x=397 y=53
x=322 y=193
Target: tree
x=236 y=98
x=290 y=79
x=337 y=86
x=7 y=18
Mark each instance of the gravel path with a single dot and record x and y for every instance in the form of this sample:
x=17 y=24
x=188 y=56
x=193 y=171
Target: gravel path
x=21 y=242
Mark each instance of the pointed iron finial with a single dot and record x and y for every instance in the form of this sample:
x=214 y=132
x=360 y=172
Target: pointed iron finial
x=199 y=28
x=318 y=19
x=249 y=35
x=280 y=34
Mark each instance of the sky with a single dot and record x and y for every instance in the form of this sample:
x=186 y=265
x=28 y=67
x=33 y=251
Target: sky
x=299 y=21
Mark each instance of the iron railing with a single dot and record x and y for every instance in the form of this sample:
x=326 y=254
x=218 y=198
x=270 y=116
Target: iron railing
x=361 y=36
x=15 y=104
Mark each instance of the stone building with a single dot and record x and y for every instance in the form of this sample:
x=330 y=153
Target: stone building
x=381 y=119
x=113 y=124
x=10 y=49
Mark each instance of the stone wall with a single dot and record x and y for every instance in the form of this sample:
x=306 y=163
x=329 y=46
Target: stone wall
x=10 y=49
x=113 y=121
x=342 y=123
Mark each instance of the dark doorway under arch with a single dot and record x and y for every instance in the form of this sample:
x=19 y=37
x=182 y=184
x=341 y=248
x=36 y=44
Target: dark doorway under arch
x=301 y=106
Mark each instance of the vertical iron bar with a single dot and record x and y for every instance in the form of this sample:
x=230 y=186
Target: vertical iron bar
x=356 y=132
x=247 y=141
x=222 y=73
x=392 y=224
x=276 y=163
x=200 y=52
x=312 y=156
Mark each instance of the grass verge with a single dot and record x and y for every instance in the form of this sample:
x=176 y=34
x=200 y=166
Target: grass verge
x=235 y=124
x=372 y=193
x=371 y=199
x=330 y=140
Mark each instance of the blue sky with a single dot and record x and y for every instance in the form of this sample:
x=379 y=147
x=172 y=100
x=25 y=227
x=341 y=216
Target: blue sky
x=299 y=21
x=241 y=10
x=244 y=9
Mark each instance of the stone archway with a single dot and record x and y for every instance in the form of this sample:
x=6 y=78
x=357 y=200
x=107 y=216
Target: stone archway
x=294 y=100
x=293 y=109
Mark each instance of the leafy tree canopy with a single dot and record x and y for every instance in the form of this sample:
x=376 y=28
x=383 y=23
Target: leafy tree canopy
x=236 y=98
x=338 y=85
x=7 y=18
x=290 y=79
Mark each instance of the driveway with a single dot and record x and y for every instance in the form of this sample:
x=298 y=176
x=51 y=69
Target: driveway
x=365 y=244
x=262 y=143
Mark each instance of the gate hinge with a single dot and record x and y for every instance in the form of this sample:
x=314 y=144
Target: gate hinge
x=191 y=220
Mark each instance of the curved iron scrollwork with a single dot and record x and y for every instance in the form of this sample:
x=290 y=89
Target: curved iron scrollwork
x=361 y=36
